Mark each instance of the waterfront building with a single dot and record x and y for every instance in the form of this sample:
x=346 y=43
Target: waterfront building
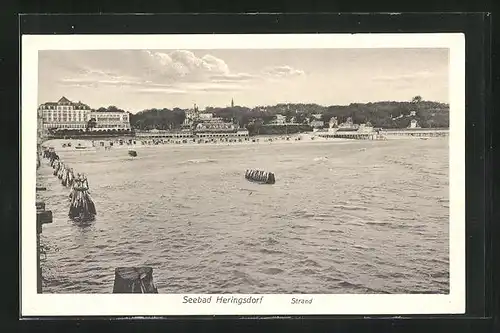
x=189 y=134
x=236 y=133
x=163 y=134
x=205 y=117
x=317 y=123
x=192 y=115
x=278 y=120
x=333 y=122
x=69 y=115
x=64 y=114
x=414 y=124
x=214 y=124
x=365 y=128
x=348 y=125
x=110 y=120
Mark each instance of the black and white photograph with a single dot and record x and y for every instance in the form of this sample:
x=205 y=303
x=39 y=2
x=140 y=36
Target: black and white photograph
x=231 y=174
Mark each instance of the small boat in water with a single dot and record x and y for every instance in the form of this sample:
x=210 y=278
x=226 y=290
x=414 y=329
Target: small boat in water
x=132 y=153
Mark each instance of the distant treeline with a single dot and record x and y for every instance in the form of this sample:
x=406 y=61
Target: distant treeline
x=162 y=119
x=257 y=129
x=387 y=114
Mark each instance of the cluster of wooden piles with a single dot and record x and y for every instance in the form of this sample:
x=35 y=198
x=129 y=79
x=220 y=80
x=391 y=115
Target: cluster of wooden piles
x=82 y=207
x=260 y=176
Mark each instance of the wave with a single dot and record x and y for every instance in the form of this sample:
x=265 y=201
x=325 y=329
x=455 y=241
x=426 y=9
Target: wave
x=345 y=207
x=198 y=161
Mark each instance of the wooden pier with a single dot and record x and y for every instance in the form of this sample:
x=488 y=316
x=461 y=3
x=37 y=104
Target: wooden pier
x=353 y=135
x=359 y=136
x=417 y=132
x=383 y=134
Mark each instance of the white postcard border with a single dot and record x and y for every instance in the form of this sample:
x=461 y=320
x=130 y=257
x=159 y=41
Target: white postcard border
x=33 y=304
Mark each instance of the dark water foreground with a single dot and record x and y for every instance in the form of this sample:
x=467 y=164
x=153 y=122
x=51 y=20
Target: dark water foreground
x=350 y=217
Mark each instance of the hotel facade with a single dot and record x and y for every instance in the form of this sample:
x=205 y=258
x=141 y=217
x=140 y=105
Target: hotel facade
x=118 y=120
x=69 y=115
x=64 y=114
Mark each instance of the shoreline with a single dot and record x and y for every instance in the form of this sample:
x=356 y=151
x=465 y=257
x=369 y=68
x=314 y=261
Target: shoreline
x=261 y=140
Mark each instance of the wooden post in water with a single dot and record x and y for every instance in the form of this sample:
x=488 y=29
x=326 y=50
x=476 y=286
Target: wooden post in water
x=134 y=280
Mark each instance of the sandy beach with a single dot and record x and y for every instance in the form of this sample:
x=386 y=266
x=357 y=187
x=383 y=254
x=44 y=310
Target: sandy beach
x=137 y=143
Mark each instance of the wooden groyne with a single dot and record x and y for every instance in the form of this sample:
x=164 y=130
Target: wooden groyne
x=260 y=176
x=134 y=280
x=82 y=207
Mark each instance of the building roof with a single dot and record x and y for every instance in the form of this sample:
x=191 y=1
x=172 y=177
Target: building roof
x=64 y=100
x=109 y=111
x=347 y=129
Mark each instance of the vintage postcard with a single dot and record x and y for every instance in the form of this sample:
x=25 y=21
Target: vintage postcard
x=243 y=174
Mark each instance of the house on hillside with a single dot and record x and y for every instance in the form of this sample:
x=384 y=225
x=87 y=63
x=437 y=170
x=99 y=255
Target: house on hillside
x=278 y=120
x=317 y=123
x=333 y=122
x=413 y=124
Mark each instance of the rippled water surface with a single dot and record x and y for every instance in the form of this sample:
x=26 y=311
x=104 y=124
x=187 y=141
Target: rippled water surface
x=348 y=217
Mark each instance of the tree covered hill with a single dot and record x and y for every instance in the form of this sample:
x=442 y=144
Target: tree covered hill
x=385 y=114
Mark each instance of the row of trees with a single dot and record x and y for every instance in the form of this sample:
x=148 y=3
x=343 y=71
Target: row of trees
x=161 y=119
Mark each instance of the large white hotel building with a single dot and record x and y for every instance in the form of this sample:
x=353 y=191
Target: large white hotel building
x=65 y=114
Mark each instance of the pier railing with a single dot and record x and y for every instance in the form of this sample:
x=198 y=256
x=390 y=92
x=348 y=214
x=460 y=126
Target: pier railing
x=417 y=132
x=382 y=134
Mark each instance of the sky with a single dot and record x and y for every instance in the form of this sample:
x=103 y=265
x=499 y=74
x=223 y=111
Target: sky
x=135 y=80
